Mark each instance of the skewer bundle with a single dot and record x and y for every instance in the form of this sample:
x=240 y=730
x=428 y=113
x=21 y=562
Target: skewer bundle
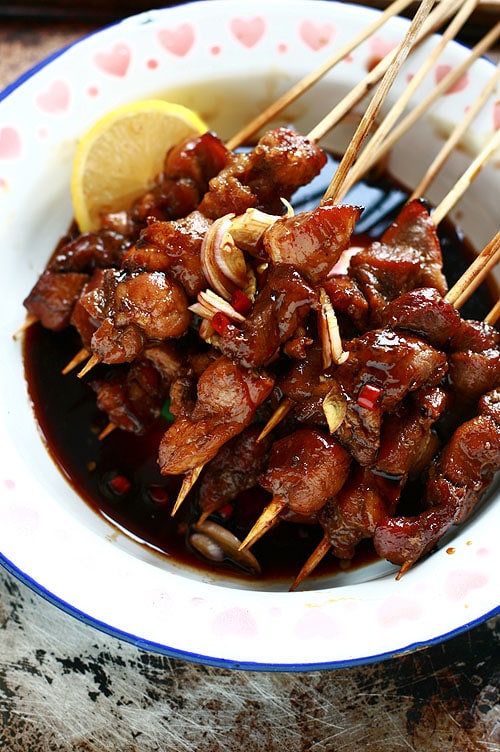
x=242 y=376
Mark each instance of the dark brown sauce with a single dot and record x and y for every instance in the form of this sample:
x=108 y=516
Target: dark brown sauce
x=66 y=412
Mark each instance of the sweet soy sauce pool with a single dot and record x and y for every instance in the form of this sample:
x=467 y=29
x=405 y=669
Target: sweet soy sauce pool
x=119 y=476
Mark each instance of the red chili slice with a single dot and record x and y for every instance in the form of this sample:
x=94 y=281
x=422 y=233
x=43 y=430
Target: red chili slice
x=120 y=484
x=369 y=396
x=241 y=302
x=221 y=323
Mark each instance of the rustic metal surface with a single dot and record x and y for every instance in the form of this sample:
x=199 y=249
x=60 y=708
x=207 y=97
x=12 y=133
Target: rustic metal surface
x=65 y=687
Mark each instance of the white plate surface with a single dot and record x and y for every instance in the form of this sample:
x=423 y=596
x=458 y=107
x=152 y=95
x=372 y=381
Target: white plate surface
x=227 y=60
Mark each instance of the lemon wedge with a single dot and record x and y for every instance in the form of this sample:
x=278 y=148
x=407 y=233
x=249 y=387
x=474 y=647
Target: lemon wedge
x=118 y=158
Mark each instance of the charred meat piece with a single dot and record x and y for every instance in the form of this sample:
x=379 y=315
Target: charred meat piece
x=89 y=309
x=53 y=297
x=456 y=484
x=89 y=251
x=183 y=388
x=408 y=441
x=474 y=359
x=133 y=396
x=282 y=305
x=382 y=368
x=306 y=468
x=197 y=158
x=348 y=301
x=363 y=501
x=407 y=256
x=280 y=163
x=312 y=241
x=151 y=301
x=187 y=170
x=134 y=309
x=235 y=468
x=426 y=313
x=172 y=247
x=305 y=382
x=227 y=398
x=112 y=344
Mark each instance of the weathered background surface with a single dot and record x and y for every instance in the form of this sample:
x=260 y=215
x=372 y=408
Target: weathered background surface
x=65 y=687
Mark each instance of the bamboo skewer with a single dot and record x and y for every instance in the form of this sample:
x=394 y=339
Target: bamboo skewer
x=281 y=411
x=312 y=562
x=467 y=177
x=475 y=274
x=75 y=361
x=368 y=156
x=373 y=156
x=308 y=81
x=376 y=102
x=107 y=430
x=265 y=522
x=188 y=482
x=455 y=136
x=93 y=361
x=435 y=19
x=494 y=314
x=28 y=321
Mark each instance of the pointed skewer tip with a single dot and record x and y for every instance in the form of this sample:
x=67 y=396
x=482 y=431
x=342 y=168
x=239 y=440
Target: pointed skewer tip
x=75 y=361
x=89 y=365
x=266 y=521
x=107 y=430
x=317 y=555
x=188 y=482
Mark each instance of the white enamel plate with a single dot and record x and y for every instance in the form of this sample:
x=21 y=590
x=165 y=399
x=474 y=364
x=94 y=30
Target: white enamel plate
x=227 y=60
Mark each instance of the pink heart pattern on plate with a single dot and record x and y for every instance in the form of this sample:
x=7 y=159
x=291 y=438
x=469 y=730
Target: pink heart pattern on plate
x=460 y=84
x=248 y=31
x=10 y=143
x=316 y=36
x=114 y=61
x=379 y=48
x=178 y=41
x=496 y=116
x=54 y=99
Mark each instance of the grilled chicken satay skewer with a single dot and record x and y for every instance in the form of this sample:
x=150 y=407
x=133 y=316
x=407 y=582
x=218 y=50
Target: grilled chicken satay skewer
x=337 y=189
x=461 y=291
x=300 y=477
x=398 y=58
x=464 y=287
x=484 y=262
x=457 y=295
x=392 y=60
